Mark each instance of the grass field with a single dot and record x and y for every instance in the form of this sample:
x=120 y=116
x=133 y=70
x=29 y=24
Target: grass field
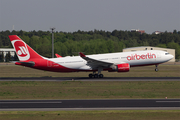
x=88 y=89
x=147 y=71
x=92 y=115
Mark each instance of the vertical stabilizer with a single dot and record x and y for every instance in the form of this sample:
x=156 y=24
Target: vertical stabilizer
x=23 y=51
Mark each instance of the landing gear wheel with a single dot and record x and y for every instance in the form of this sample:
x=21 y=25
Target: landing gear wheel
x=90 y=75
x=156 y=69
x=95 y=75
x=101 y=76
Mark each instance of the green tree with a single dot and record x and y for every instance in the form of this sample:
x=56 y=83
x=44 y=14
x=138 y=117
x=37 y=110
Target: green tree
x=26 y=39
x=175 y=46
x=162 y=45
x=110 y=46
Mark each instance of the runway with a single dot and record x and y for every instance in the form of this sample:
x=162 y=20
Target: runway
x=105 y=104
x=91 y=79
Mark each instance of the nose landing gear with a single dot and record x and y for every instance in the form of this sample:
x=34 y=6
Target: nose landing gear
x=156 y=69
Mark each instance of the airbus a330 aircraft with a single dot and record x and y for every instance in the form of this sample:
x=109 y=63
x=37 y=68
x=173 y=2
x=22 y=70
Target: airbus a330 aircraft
x=112 y=62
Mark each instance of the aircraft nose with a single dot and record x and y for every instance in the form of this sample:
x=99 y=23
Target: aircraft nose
x=171 y=56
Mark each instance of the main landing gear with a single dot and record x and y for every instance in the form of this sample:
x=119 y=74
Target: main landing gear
x=95 y=75
x=156 y=69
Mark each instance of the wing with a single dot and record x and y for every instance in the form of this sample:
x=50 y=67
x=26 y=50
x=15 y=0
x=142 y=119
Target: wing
x=95 y=63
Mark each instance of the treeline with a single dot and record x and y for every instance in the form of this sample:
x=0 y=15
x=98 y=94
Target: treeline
x=91 y=42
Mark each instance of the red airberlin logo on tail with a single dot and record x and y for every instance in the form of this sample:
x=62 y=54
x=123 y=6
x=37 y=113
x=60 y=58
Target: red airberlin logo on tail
x=138 y=57
x=21 y=50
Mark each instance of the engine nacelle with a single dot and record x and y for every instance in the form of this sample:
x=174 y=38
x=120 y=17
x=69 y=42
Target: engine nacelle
x=124 y=67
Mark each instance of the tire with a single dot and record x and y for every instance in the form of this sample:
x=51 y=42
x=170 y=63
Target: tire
x=101 y=76
x=156 y=69
x=90 y=75
x=95 y=75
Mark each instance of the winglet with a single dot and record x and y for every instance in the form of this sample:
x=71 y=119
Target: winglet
x=58 y=56
x=81 y=54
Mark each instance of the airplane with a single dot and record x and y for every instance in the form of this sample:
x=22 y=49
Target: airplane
x=58 y=56
x=111 y=62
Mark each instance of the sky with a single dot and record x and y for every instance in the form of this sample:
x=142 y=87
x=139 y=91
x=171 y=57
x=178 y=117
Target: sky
x=87 y=15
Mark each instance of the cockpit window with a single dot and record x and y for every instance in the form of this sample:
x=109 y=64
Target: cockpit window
x=166 y=53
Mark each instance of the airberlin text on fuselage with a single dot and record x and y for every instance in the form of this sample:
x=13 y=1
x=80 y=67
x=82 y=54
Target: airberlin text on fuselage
x=138 y=57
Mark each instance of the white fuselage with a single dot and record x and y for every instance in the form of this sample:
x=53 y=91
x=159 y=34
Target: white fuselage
x=136 y=58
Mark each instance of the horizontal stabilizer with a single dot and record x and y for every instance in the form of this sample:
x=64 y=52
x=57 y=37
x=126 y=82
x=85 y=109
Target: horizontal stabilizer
x=29 y=64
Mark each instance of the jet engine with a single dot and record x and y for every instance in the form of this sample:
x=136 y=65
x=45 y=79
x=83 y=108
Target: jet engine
x=124 y=67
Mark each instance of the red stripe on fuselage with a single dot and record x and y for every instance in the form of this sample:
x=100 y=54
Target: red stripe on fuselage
x=43 y=64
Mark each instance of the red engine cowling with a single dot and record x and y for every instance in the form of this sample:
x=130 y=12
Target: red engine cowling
x=123 y=67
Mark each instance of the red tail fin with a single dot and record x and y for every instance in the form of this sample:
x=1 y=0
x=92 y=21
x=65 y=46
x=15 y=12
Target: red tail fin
x=23 y=51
